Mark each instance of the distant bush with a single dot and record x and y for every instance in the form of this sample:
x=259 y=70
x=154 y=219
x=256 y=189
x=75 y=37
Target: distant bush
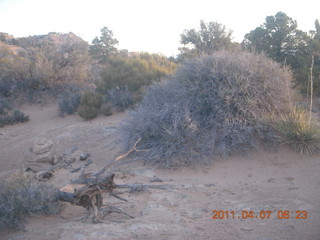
x=106 y=109
x=34 y=66
x=121 y=99
x=87 y=112
x=22 y=196
x=9 y=117
x=5 y=106
x=90 y=104
x=214 y=106
x=123 y=78
x=134 y=72
x=18 y=117
x=68 y=104
x=294 y=130
x=91 y=99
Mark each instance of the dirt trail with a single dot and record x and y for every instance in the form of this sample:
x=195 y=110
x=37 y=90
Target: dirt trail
x=261 y=181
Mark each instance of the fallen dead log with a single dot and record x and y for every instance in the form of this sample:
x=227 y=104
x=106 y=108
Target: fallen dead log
x=90 y=196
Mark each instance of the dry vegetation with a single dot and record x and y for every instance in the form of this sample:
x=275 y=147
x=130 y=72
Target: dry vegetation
x=295 y=130
x=214 y=106
x=22 y=196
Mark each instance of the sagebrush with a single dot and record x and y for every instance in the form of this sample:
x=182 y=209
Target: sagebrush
x=68 y=104
x=5 y=106
x=121 y=99
x=22 y=196
x=87 y=112
x=91 y=99
x=9 y=116
x=213 y=106
x=90 y=104
x=106 y=109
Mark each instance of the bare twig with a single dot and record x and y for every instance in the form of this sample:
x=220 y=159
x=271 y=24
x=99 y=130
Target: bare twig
x=116 y=196
x=134 y=148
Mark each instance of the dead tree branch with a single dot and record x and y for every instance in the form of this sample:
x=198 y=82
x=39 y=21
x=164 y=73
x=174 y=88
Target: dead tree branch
x=90 y=196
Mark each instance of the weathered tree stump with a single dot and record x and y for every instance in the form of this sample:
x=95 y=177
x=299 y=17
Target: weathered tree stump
x=90 y=196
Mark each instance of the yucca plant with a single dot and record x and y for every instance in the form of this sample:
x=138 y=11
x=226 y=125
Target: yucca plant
x=295 y=130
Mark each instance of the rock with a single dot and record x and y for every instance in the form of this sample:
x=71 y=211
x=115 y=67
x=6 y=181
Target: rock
x=88 y=162
x=44 y=175
x=75 y=170
x=34 y=167
x=42 y=146
x=84 y=156
x=45 y=157
x=155 y=179
x=56 y=159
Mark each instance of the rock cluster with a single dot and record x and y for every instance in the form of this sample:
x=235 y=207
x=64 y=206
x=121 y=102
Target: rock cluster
x=42 y=159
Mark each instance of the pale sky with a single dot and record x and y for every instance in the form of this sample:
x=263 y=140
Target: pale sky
x=146 y=25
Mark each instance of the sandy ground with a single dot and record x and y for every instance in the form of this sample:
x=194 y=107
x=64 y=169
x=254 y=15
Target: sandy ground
x=262 y=181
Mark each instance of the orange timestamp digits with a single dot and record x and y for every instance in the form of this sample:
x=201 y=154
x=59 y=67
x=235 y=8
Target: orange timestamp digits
x=263 y=214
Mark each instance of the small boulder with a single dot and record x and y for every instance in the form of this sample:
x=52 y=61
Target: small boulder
x=42 y=145
x=84 y=156
x=45 y=157
x=34 y=167
x=44 y=175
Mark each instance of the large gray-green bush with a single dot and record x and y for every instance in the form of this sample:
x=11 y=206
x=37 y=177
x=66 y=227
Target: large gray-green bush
x=212 y=107
x=23 y=196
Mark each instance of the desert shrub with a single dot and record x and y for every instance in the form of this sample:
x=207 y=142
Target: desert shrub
x=106 y=109
x=87 y=112
x=134 y=72
x=91 y=99
x=68 y=104
x=33 y=67
x=19 y=116
x=214 y=106
x=121 y=99
x=22 y=196
x=294 y=130
x=5 y=106
x=90 y=104
x=12 y=118
x=124 y=78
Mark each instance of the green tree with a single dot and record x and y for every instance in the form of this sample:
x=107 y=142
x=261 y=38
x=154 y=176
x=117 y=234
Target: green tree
x=317 y=32
x=104 y=46
x=278 y=37
x=211 y=37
